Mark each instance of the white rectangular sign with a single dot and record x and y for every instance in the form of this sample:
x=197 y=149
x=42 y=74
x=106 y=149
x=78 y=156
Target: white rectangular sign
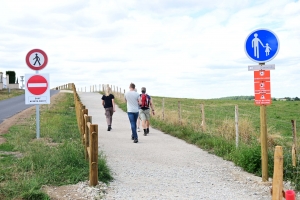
x=261 y=67
x=37 y=89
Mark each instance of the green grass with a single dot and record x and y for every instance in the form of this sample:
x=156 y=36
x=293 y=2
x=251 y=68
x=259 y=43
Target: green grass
x=4 y=94
x=55 y=159
x=219 y=117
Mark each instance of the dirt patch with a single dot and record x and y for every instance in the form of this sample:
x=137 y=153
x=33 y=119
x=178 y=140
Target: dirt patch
x=47 y=141
x=80 y=191
x=16 y=154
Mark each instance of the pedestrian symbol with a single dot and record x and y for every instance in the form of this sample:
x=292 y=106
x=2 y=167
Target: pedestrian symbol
x=261 y=45
x=255 y=44
x=37 y=59
x=267 y=49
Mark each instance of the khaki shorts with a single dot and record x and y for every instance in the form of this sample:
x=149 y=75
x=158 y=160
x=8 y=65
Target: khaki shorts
x=144 y=114
x=109 y=112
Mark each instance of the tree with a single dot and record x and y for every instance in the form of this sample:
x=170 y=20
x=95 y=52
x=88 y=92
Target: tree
x=12 y=76
x=297 y=99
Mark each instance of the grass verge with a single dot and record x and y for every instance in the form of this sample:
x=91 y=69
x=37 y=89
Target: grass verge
x=55 y=159
x=247 y=155
x=4 y=94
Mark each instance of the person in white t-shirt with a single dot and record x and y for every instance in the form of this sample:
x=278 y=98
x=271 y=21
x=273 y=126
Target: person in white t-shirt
x=133 y=100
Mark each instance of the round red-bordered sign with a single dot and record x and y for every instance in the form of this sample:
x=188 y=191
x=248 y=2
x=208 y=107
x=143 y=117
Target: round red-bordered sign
x=36 y=59
x=37 y=85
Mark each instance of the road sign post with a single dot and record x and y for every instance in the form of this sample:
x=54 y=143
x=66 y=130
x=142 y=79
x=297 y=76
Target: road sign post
x=264 y=142
x=37 y=59
x=261 y=46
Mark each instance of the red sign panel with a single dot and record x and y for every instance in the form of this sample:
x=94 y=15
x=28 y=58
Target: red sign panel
x=37 y=85
x=263 y=99
x=262 y=87
x=262 y=75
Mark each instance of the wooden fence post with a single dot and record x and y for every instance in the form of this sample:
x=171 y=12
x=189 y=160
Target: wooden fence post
x=82 y=122
x=277 y=185
x=84 y=112
x=87 y=136
x=93 y=155
x=264 y=142
x=294 y=146
x=78 y=115
x=203 y=124
x=163 y=109
x=179 y=112
x=236 y=126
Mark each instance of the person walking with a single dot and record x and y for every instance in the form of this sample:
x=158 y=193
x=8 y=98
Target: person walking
x=132 y=99
x=108 y=103
x=138 y=119
x=144 y=112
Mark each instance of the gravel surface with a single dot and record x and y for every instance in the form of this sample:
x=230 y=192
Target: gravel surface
x=163 y=167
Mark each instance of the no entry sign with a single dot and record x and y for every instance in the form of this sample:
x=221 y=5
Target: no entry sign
x=37 y=85
x=37 y=89
x=36 y=59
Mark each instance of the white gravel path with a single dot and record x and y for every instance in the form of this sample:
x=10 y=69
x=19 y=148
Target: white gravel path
x=163 y=167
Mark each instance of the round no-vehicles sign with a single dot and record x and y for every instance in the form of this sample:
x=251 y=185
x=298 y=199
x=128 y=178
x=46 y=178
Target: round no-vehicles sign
x=37 y=90
x=36 y=59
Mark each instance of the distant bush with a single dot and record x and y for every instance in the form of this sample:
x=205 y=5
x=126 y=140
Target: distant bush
x=12 y=77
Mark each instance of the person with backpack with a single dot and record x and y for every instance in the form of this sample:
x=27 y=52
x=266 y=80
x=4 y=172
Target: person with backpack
x=132 y=99
x=144 y=112
x=108 y=103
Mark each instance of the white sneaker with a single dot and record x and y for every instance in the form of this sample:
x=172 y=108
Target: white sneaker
x=138 y=129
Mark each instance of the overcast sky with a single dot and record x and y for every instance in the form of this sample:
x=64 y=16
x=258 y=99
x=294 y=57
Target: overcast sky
x=177 y=48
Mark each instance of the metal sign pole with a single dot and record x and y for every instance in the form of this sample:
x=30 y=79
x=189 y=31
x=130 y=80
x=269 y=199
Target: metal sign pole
x=37 y=109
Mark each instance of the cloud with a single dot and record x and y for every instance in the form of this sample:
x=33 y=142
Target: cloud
x=175 y=48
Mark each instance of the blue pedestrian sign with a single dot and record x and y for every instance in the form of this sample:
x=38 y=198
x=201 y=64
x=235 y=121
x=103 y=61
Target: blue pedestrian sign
x=261 y=45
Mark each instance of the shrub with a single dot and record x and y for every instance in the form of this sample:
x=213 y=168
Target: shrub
x=249 y=158
x=12 y=76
